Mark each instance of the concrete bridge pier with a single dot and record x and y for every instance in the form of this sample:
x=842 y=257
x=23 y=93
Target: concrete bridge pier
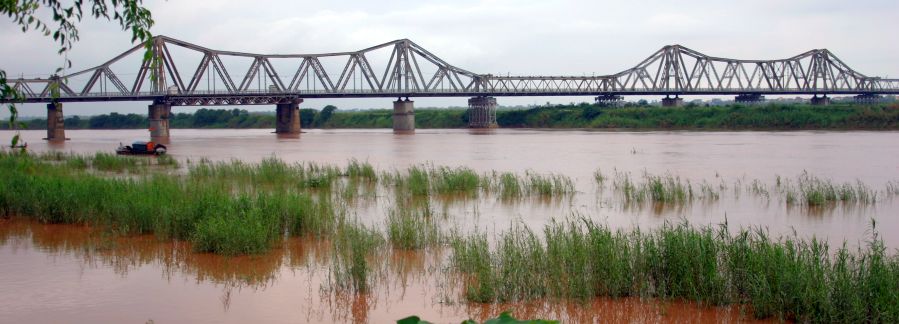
x=404 y=116
x=482 y=112
x=158 y=113
x=868 y=98
x=56 y=127
x=287 y=117
x=609 y=100
x=820 y=101
x=672 y=102
x=749 y=98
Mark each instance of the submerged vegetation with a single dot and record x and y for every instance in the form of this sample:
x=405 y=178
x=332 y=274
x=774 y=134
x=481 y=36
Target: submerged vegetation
x=237 y=208
x=788 y=278
x=807 y=190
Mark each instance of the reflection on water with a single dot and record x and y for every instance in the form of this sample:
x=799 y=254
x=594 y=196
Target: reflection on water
x=95 y=277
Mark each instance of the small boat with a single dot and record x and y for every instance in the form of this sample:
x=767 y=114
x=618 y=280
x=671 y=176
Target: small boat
x=22 y=146
x=141 y=147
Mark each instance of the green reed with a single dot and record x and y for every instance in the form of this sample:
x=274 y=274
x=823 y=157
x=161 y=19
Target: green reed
x=271 y=172
x=509 y=186
x=114 y=163
x=788 y=278
x=815 y=191
x=361 y=170
x=166 y=160
x=211 y=216
x=658 y=189
x=412 y=228
x=355 y=248
x=549 y=185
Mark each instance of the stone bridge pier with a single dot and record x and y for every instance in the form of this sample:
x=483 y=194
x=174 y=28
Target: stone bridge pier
x=287 y=117
x=56 y=127
x=820 y=101
x=749 y=98
x=158 y=114
x=404 y=116
x=482 y=112
x=672 y=102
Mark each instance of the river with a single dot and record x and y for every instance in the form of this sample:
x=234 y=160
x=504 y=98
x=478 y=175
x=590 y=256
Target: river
x=69 y=273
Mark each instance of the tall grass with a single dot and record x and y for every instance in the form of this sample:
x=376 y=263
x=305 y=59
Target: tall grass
x=549 y=185
x=412 y=228
x=270 y=172
x=212 y=217
x=666 y=189
x=111 y=162
x=788 y=278
x=361 y=170
x=814 y=191
x=355 y=248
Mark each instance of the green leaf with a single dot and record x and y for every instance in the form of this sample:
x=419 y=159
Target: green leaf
x=412 y=320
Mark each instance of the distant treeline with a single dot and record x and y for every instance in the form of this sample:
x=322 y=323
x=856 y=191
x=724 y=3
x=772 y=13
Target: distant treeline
x=765 y=116
x=202 y=118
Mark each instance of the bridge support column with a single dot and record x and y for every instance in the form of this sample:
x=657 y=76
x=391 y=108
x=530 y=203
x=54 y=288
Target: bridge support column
x=288 y=117
x=56 y=127
x=749 y=98
x=158 y=114
x=404 y=116
x=482 y=112
x=868 y=98
x=672 y=102
x=609 y=100
x=820 y=101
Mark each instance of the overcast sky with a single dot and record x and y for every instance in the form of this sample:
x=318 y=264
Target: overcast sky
x=501 y=36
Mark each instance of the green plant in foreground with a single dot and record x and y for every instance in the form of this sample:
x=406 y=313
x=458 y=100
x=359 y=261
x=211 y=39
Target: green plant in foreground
x=787 y=278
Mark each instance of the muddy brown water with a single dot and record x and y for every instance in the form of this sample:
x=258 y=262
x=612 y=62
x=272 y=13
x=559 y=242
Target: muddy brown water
x=57 y=273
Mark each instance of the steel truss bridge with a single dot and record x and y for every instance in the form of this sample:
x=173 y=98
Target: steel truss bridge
x=192 y=75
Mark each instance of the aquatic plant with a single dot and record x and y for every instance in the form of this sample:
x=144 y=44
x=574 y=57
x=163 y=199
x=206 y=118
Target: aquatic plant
x=354 y=246
x=788 y=277
x=412 y=228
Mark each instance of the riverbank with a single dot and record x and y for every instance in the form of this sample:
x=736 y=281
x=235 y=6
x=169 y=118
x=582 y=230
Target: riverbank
x=690 y=117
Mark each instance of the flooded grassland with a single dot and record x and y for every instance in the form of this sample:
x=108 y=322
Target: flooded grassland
x=449 y=225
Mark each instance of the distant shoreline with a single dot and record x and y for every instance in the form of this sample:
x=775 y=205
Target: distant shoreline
x=766 y=117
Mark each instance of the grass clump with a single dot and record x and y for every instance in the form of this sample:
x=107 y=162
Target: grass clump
x=787 y=278
x=167 y=161
x=410 y=229
x=814 y=191
x=361 y=170
x=211 y=216
x=665 y=189
x=549 y=185
x=114 y=163
x=355 y=247
x=460 y=180
x=509 y=186
x=243 y=228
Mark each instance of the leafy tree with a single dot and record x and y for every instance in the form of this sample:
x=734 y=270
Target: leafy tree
x=325 y=115
x=307 y=116
x=129 y=14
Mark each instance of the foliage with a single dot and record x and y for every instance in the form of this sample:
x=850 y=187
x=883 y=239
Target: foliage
x=789 y=278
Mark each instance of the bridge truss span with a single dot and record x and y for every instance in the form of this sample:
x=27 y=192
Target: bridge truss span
x=189 y=74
